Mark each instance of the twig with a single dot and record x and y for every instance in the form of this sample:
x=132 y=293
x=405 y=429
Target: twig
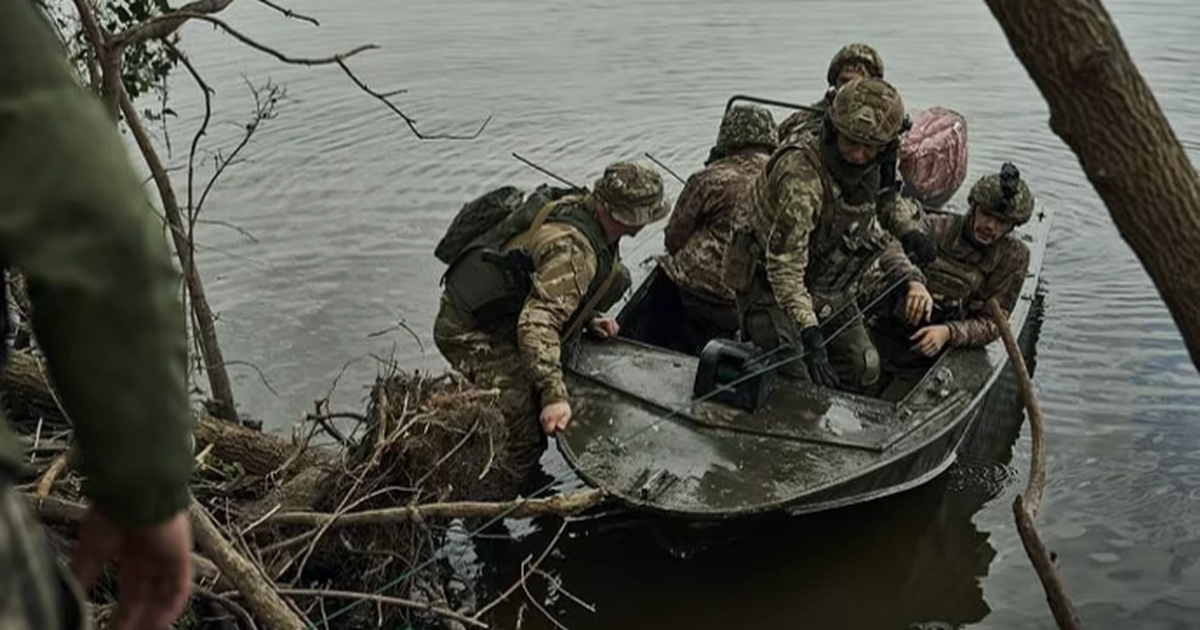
x=192 y=210
x=260 y=595
x=233 y=607
x=382 y=599
x=290 y=13
x=536 y=604
x=512 y=589
x=556 y=584
x=46 y=483
x=1025 y=511
x=522 y=508
x=444 y=458
x=261 y=376
x=323 y=420
x=401 y=325
x=262 y=111
x=243 y=231
x=299 y=61
x=412 y=124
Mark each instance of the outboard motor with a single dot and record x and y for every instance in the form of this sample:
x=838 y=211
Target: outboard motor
x=724 y=361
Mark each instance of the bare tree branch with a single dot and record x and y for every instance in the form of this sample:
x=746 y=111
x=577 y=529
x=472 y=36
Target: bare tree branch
x=264 y=109
x=261 y=376
x=412 y=124
x=182 y=16
x=165 y=25
x=290 y=13
x=225 y=224
x=192 y=211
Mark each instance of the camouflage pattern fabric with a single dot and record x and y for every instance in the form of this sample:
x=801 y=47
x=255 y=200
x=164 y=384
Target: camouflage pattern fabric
x=524 y=360
x=855 y=54
x=1003 y=264
x=633 y=193
x=36 y=593
x=869 y=111
x=713 y=201
x=803 y=125
x=744 y=127
x=988 y=192
x=851 y=352
x=489 y=358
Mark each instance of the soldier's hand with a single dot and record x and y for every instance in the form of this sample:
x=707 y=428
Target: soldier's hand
x=555 y=417
x=154 y=567
x=930 y=340
x=817 y=359
x=605 y=327
x=918 y=306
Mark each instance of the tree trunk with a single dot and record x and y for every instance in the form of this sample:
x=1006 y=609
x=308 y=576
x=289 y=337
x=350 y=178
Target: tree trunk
x=205 y=327
x=1103 y=109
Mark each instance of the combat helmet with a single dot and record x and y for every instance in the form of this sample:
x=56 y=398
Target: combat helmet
x=1004 y=195
x=745 y=126
x=869 y=111
x=633 y=193
x=855 y=54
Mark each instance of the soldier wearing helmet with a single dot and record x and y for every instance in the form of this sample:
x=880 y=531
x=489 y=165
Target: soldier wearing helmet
x=814 y=228
x=852 y=61
x=503 y=326
x=978 y=259
x=713 y=200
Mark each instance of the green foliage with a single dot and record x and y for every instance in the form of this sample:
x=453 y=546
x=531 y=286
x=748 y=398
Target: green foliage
x=146 y=65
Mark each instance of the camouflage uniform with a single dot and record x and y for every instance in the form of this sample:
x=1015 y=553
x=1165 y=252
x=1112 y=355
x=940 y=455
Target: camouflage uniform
x=806 y=123
x=74 y=220
x=522 y=356
x=814 y=228
x=966 y=273
x=712 y=202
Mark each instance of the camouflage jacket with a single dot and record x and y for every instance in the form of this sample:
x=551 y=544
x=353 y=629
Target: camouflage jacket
x=802 y=123
x=75 y=221
x=564 y=266
x=712 y=203
x=1001 y=267
x=789 y=201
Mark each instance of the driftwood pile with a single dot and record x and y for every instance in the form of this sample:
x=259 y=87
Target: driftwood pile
x=294 y=535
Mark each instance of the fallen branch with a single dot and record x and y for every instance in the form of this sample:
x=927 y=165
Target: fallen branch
x=46 y=483
x=561 y=505
x=1025 y=507
x=258 y=592
x=235 y=609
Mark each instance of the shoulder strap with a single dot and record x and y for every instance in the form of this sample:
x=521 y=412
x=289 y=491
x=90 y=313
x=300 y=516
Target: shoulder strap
x=586 y=311
x=539 y=219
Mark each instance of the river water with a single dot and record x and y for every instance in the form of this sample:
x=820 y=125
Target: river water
x=345 y=205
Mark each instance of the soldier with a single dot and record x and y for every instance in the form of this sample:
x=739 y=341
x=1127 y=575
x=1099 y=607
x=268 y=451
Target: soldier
x=978 y=259
x=852 y=61
x=74 y=220
x=814 y=228
x=509 y=334
x=698 y=231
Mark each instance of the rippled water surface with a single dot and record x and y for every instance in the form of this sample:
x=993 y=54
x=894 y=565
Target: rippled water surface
x=345 y=206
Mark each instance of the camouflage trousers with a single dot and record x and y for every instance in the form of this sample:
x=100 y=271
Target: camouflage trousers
x=489 y=358
x=36 y=593
x=852 y=353
x=705 y=319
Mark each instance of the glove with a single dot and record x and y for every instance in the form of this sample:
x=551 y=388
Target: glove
x=919 y=247
x=816 y=358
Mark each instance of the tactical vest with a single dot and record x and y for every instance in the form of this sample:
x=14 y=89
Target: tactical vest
x=959 y=270
x=845 y=241
x=491 y=278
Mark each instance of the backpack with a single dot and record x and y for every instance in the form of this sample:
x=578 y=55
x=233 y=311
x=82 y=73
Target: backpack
x=488 y=212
